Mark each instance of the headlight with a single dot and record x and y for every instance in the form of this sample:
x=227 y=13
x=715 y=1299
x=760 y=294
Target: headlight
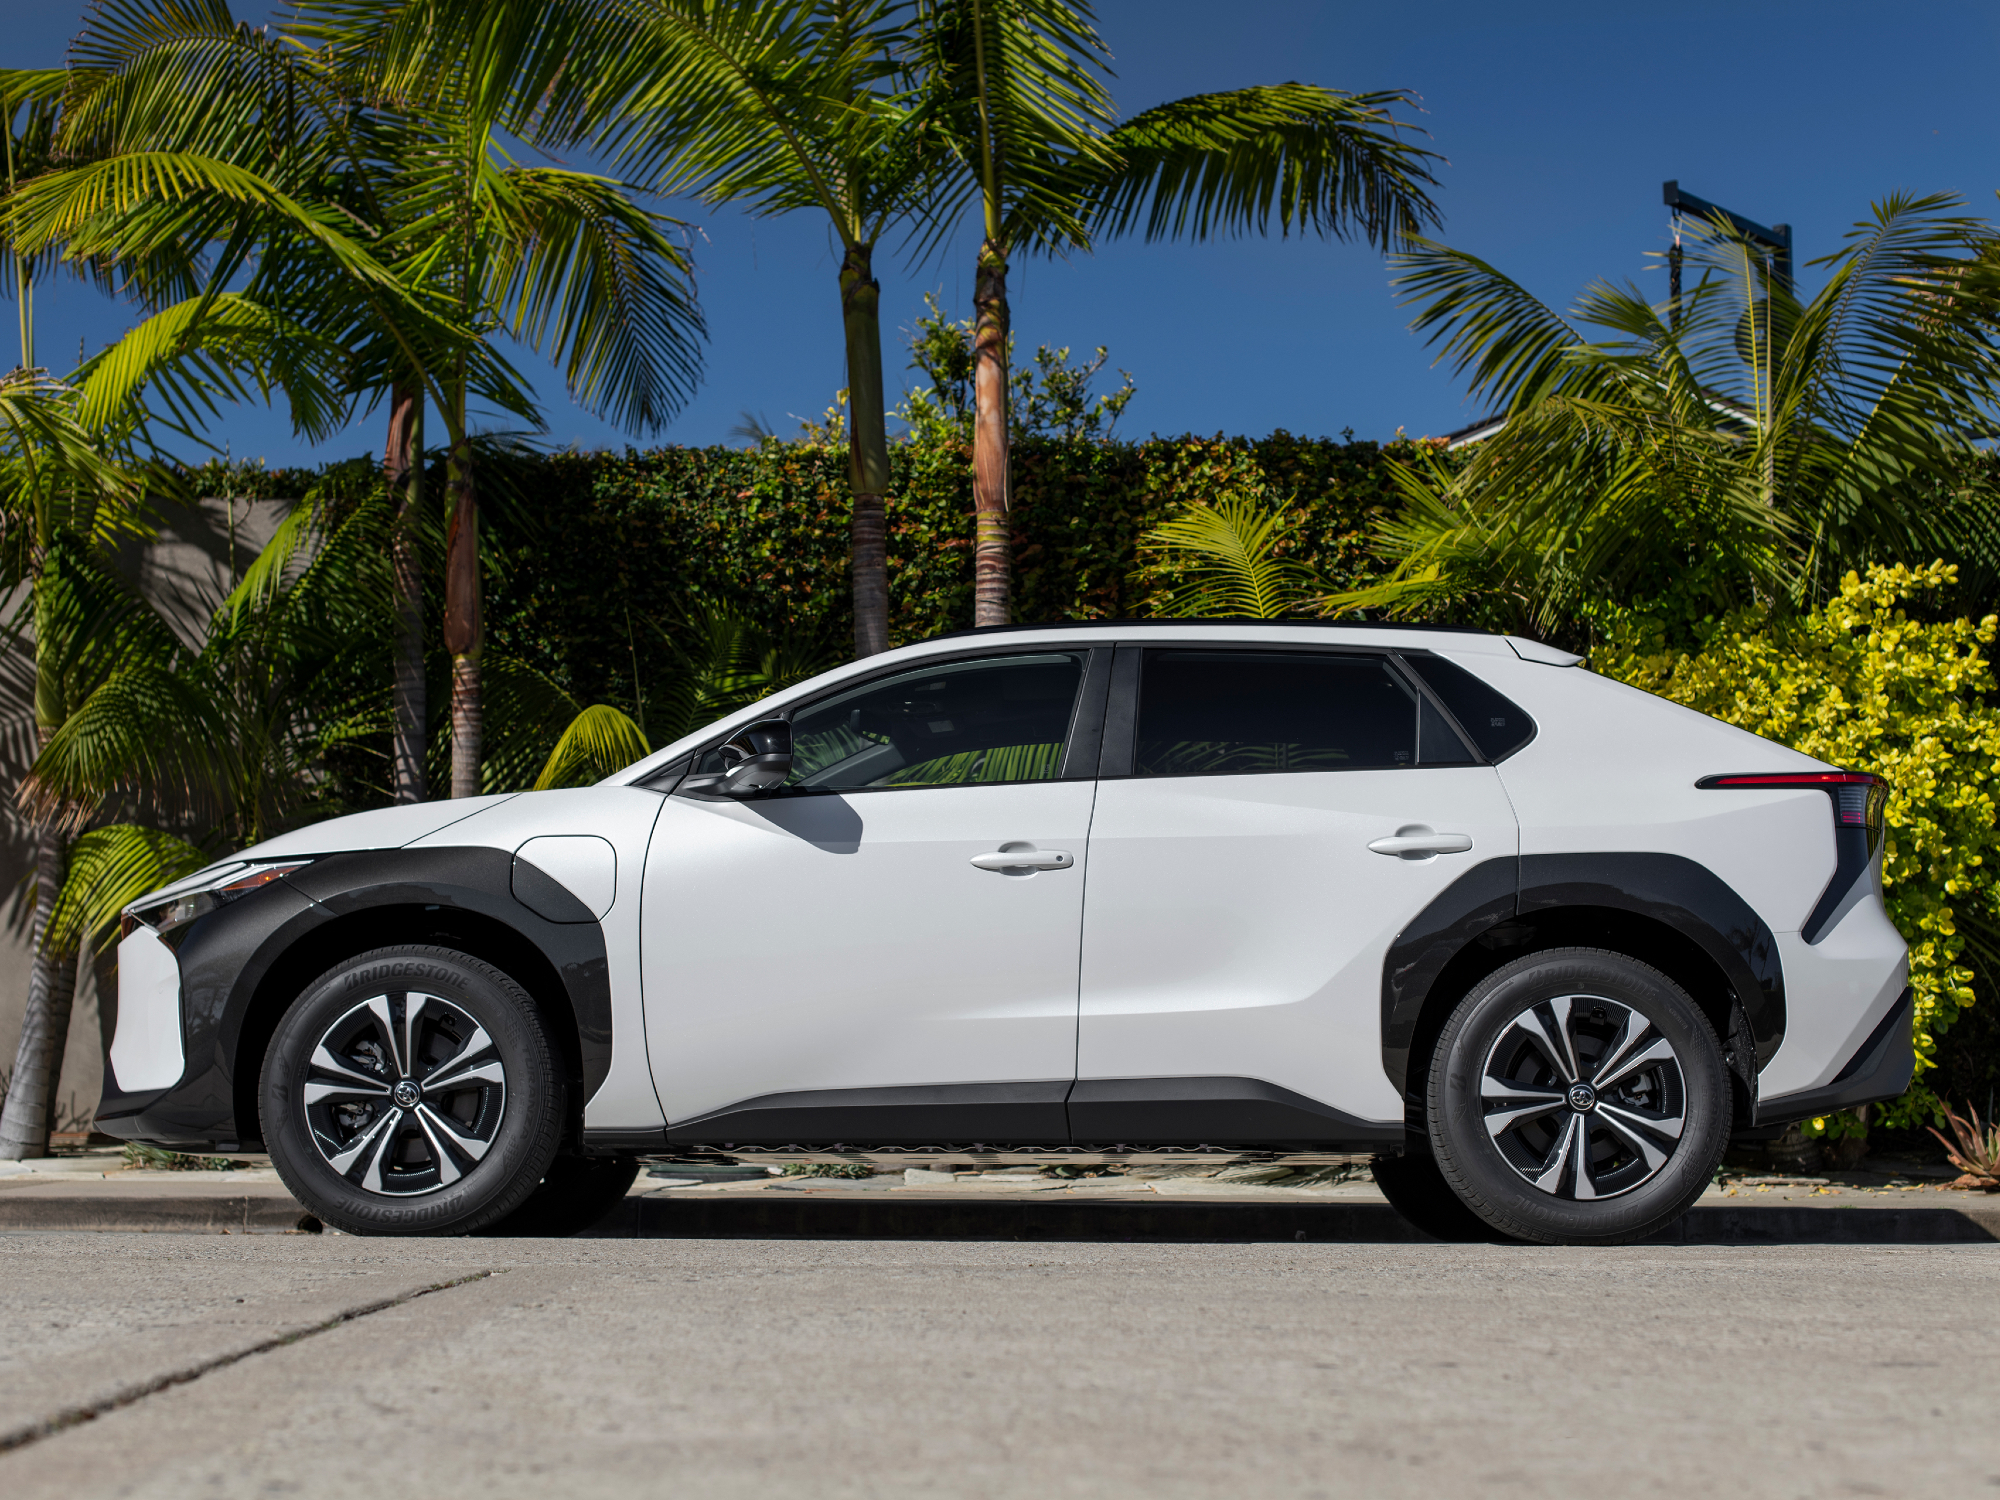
x=178 y=906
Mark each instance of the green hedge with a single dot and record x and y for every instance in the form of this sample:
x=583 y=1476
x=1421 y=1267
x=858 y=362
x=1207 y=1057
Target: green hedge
x=593 y=546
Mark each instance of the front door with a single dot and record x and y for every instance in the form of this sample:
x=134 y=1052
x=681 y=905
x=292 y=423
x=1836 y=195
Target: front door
x=1244 y=890
x=884 y=951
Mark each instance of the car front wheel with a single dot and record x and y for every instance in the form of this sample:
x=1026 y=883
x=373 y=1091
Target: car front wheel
x=412 y=1090
x=1578 y=1097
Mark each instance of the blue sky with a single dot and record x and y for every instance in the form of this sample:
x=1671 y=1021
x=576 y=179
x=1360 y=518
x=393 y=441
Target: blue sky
x=1559 y=120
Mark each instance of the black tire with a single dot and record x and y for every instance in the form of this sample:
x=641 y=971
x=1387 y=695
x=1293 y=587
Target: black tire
x=1416 y=1189
x=1641 y=1111
x=574 y=1194
x=446 y=1140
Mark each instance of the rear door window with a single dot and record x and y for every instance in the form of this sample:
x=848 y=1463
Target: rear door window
x=1234 y=713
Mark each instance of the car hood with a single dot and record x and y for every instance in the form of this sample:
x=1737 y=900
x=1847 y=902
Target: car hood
x=381 y=828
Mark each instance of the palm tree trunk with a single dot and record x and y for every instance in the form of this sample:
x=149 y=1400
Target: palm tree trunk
x=867 y=449
x=29 y=1114
x=992 y=545
x=462 y=622
x=405 y=472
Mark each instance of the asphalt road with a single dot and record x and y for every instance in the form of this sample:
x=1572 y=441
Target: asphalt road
x=715 y=1369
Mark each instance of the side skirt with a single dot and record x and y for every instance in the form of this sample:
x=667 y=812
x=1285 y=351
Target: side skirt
x=1106 y=1118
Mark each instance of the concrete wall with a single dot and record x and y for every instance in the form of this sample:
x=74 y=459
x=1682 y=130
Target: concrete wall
x=185 y=572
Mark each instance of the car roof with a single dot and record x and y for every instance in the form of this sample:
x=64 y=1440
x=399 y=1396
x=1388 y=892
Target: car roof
x=1242 y=621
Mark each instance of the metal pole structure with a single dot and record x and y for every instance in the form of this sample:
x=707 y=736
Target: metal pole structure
x=1777 y=239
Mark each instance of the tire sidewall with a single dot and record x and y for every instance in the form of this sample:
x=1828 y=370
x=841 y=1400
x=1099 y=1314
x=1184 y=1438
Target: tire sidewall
x=1490 y=1185
x=530 y=1125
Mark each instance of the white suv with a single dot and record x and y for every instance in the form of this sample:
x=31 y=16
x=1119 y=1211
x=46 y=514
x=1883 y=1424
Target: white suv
x=1539 y=941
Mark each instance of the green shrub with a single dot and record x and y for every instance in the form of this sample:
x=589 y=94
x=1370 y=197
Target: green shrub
x=1862 y=685
x=608 y=551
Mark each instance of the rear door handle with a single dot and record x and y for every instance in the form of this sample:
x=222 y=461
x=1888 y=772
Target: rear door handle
x=1423 y=845
x=1024 y=859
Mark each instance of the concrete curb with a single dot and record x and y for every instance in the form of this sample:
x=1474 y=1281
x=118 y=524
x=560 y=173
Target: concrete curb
x=235 y=1213
x=824 y=1216
x=1171 y=1221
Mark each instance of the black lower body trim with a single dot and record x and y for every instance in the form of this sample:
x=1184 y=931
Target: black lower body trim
x=118 y=1113
x=1881 y=1068
x=612 y=1141
x=1121 y=1113
x=1240 y=1112
x=1021 y=1114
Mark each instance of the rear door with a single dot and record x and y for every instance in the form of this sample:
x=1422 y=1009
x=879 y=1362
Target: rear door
x=1267 y=821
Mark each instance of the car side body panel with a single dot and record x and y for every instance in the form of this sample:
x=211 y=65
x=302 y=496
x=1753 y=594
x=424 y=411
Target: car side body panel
x=623 y=1098
x=1614 y=769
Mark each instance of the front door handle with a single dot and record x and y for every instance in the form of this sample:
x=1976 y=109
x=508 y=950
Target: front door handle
x=1024 y=857
x=1410 y=844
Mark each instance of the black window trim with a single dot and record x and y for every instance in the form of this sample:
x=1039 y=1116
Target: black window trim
x=1430 y=696
x=1080 y=744
x=1534 y=724
x=1121 y=714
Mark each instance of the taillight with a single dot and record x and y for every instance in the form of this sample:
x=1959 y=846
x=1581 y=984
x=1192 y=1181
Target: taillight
x=1858 y=797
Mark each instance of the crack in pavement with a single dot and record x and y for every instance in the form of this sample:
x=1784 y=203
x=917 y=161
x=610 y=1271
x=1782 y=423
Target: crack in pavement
x=33 y=1432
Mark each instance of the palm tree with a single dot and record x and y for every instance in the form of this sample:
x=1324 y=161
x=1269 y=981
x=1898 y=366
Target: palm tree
x=1014 y=87
x=62 y=489
x=780 y=105
x=1745 y=445
x=378 y=214
x=227 y=742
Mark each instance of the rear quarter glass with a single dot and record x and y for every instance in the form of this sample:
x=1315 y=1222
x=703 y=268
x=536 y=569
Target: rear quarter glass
x=1613 y=769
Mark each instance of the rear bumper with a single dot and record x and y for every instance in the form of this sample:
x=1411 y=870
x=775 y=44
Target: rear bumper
x=1880 y=1068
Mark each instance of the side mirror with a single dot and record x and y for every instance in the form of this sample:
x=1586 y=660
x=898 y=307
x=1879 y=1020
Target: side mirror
x=755 y=759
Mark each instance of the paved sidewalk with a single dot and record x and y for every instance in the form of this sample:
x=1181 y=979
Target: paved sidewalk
x=95 y=1191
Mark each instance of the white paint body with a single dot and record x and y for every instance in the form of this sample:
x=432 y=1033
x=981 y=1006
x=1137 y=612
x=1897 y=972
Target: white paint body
x=1207 y=926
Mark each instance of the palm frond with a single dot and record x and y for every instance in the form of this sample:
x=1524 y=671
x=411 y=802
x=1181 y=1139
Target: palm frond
x=598 y=742
x=1511 y=348
x=209 y=349
x=1295 y=155
x=1232 y=554
x=595 y=281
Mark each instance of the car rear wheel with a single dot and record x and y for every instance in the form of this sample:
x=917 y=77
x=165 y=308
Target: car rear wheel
x=1578 y=1097
x=412 y=1090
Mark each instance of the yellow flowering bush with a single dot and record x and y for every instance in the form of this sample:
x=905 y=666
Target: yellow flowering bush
x=1861 y=685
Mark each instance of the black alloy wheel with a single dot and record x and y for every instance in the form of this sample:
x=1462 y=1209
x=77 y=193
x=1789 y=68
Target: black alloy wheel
x=404 y=1093
x=412 y=1091
x=1578 y=1097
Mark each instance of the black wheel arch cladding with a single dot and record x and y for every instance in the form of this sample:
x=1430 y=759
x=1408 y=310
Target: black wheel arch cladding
x=1680 y=917
x=243 y=964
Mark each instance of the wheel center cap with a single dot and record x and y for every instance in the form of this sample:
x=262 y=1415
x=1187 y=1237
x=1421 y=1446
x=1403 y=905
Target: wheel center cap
x=1582 y=1098
x=406 y=1094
